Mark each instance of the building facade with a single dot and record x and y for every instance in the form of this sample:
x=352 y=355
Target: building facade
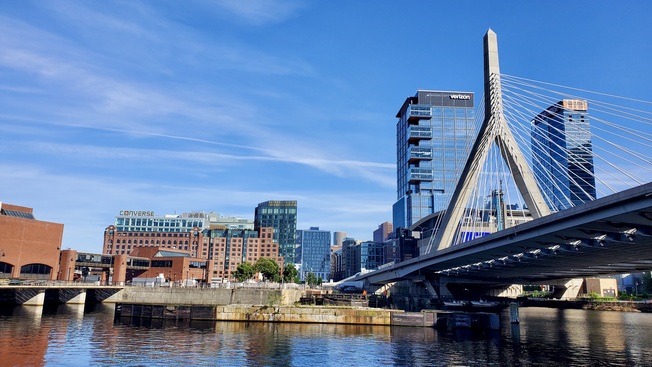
x=562 y=154
x=361 y=256
x=282 y=216
x=144 y=228
x=228 y=248
x=29 y=248
x=315 y=250
x=124 y=242
x=229 y=221
x=384 y=232
x=434 y=133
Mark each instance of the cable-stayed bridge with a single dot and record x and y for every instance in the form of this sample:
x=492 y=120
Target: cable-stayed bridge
x=556 y=186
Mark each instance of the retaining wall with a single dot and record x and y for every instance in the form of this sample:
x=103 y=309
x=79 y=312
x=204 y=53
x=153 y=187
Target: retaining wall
x=205 y=296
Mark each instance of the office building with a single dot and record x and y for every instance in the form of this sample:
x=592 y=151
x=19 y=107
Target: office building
x=228 y=248
x=145 y=228
x=562 y=154
x=338 y=239
x=434 y=133
x=361 y=256
x=384 y=232
x=229 y=221
x=282 y=216
x=314 y=247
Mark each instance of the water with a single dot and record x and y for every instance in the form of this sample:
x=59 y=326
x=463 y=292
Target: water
x=70 y=336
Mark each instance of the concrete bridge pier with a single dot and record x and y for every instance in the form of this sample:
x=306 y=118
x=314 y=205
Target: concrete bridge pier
x=567 y=288
x=30 y=297
x=72 y=296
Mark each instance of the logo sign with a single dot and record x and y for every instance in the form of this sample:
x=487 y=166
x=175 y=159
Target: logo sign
x=460 y=96
x=133 y=213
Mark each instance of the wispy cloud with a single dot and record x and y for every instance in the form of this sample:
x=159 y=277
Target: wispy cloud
x=260 y=12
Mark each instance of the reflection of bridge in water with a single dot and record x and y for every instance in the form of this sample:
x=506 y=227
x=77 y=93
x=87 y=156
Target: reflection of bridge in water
x=570 y=233
x=39 y=295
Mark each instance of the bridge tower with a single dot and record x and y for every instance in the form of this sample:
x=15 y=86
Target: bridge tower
x=494 y=130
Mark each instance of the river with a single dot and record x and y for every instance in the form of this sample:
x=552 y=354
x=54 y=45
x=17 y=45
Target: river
x=72 y=336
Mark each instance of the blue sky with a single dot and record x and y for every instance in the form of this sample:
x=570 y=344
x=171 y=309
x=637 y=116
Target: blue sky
x=177 y=106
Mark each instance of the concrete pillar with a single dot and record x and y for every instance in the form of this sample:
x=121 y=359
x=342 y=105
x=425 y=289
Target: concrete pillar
x=37 y=300
x=79 y=299
x=569 y=289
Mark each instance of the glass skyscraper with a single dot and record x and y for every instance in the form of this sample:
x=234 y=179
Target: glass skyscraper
x=434 y=133
x=314 y=253
x=562 y=154
x=282 y=216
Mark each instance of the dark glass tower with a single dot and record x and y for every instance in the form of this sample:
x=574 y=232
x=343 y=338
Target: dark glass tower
x=562 y=154
x=282 y=216
x=434 y=133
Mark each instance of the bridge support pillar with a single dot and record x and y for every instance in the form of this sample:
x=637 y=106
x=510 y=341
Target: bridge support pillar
x=568 y=289
x=36 y=300
x=79 y=299
x=430 y=288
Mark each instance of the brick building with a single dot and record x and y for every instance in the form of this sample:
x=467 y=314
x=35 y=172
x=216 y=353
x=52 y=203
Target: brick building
x=228 y=248
x=29 y=248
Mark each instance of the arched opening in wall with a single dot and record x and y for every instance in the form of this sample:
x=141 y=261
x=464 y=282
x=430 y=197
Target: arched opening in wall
x=35 y=271
x=5 y=270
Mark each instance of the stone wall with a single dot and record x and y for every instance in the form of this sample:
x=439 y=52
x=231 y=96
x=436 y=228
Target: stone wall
x=205 y=296
x=321 y=314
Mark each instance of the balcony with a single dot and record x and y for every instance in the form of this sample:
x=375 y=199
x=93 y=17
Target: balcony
x=416 y=154
x=416 y=112
x=416 y=133
x=420 y=174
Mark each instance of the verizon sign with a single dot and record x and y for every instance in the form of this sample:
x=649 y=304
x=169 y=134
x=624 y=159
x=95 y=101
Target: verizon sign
x=460 y=96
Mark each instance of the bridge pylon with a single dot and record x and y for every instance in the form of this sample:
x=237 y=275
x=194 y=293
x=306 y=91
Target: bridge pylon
x=494 y=130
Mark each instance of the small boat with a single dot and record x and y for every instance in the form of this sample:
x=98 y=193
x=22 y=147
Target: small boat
x=454 y=304
x=483 y=303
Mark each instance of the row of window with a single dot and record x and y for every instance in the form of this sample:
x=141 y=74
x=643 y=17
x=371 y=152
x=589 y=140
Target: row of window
x=140 y=242
x=154 y=234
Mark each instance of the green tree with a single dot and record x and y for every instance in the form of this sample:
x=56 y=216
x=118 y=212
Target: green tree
x=290 y=274
x=244 y=271
x=311 y=279
x=320 y=281
x=269 y=269
x=647 y=283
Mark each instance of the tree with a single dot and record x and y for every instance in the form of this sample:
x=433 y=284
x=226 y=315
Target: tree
x=268 y=268
x=647 y=282
x=290 y=274
x=244 y=271
x=311 y=279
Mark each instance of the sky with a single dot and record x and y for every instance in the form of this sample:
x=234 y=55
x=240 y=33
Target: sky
x=216 y=106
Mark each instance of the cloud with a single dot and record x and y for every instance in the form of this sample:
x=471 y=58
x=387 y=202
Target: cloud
x=87 y=204
x=260 y=12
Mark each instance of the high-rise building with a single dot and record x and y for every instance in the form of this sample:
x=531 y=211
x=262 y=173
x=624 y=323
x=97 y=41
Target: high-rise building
x=434 y=133
x=562 y=154
x=282 y=216
x=361 y=256
x=315 y=251
x=338 y=238
x=383 y=232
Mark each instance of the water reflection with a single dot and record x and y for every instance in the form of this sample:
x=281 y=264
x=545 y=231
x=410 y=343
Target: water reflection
x=74 y=336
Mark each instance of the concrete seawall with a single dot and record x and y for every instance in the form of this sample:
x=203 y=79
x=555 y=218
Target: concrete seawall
x=292 y=314
x=321 y=314
x=206 y=296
